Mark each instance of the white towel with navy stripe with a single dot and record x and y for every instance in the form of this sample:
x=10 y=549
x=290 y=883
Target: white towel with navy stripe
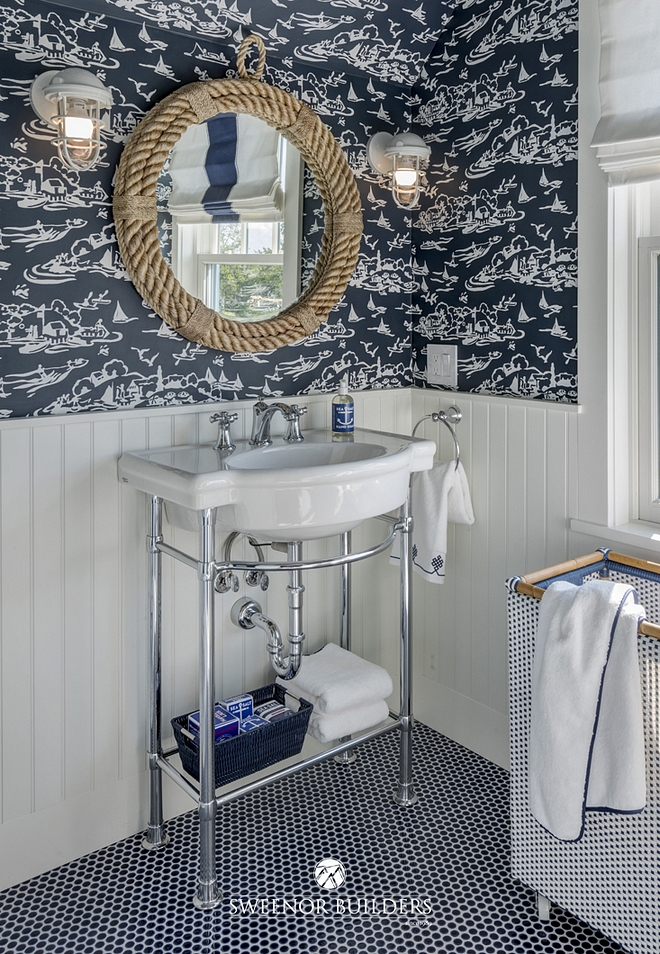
x=586 y=746
x=439 y=496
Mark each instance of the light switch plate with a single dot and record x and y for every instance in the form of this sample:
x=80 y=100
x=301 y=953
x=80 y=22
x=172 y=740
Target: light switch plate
x=442 y=365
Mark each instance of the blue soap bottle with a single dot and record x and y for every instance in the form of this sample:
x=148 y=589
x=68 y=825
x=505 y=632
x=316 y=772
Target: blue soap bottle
x=343 y=413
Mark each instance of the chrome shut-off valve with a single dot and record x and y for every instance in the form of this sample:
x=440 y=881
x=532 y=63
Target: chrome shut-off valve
x=225 y=581
x=257 y=578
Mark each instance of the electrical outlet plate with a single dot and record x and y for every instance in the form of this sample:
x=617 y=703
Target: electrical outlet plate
x=442 y=365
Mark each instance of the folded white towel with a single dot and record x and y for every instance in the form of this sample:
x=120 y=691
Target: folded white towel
x=334 y=679
x=337 y=725
x=439 y=496
x=586 y=747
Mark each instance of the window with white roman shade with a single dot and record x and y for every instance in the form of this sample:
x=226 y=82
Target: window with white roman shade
x=618 y=448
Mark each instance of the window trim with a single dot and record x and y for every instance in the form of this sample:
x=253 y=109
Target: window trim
x=603 y=477
x=644 y=432
x=608 y=468
x=236 y=258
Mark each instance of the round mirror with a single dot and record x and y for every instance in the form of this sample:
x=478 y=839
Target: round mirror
x=229 y=216
x=135 y=212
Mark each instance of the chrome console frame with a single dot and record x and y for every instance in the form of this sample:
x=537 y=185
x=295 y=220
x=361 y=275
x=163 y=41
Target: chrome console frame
x=155 y=835
x=208 y=893
x=348 y=756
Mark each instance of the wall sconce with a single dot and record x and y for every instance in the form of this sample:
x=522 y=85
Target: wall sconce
x=70 y=100
x=403 y=158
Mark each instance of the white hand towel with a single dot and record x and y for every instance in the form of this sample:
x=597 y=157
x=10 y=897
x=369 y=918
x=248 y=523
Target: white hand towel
x=337 y=725
x=439 y=496
x=334 y=679
x=586 y=747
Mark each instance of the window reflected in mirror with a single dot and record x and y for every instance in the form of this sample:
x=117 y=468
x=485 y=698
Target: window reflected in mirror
x=230 y=209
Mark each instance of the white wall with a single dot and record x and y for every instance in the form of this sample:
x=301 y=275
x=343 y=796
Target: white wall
x=533 y=466
x=73 y=615
x=74 y=624
x=73 y=619
x=520 y=459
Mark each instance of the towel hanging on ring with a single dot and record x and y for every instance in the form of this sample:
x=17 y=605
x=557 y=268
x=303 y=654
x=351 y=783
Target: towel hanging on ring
x=439 y=496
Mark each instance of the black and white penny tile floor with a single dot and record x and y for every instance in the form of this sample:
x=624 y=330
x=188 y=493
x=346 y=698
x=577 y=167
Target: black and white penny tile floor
x=449 y=854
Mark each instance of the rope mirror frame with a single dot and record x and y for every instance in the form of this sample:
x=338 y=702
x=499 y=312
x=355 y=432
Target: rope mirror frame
x=134 y=209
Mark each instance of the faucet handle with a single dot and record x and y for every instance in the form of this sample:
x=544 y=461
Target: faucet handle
x=294 y=434
x=224 y=419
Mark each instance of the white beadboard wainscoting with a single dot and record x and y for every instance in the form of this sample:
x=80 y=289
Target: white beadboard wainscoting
x=520 y=459
x=74 y=622
x=74 y=610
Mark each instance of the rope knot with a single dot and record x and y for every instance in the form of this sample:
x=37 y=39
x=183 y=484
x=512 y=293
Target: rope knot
x=139 y=207
x=301 y=128
x=201 y=101
x=347 y=222
x=306 y=317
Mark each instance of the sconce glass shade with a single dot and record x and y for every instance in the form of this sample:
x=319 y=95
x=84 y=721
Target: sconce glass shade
x=71 y=100
x=402 y=158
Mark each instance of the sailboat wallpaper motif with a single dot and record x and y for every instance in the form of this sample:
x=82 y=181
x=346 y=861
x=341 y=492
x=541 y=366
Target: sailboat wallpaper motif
x=488 y=261
x=504 y=117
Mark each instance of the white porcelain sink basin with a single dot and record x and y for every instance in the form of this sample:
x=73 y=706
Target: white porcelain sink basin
x=297 y=456
x=284 y=491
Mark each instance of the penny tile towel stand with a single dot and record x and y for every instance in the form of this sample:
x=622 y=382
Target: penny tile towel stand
x=610 y=878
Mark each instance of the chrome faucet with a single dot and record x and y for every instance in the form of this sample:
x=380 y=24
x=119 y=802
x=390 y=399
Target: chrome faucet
x=262 y=415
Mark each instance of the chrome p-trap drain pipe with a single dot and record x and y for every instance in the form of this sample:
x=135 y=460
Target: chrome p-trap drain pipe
x=247 y=614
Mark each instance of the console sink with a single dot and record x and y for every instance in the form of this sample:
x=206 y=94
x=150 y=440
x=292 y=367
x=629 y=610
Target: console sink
x=284 y=491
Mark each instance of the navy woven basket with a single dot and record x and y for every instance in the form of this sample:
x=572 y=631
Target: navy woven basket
x=247 y=753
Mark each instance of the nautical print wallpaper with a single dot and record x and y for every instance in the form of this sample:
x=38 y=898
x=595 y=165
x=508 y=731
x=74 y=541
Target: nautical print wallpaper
x=495 y=242
x=74 y=334
x=387 y=39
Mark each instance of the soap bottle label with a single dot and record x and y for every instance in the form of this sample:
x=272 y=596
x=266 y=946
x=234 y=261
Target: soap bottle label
x=343 y=418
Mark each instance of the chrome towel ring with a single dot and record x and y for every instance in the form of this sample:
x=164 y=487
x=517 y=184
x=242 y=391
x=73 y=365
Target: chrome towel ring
x=452 y=416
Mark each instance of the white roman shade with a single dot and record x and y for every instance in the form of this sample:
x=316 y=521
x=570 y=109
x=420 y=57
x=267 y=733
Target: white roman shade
x=227 y=169
x=628 y=135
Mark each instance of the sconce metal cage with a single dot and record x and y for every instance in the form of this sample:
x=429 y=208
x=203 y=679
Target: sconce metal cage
x=403 y=159
x=71 y=101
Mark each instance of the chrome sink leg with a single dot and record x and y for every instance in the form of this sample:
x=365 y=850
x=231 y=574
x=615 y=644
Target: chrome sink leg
x=349 y=755
x=208 y=894
x=155 y=835
x=345 y=548
x=405 y=793
x=295 y=590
